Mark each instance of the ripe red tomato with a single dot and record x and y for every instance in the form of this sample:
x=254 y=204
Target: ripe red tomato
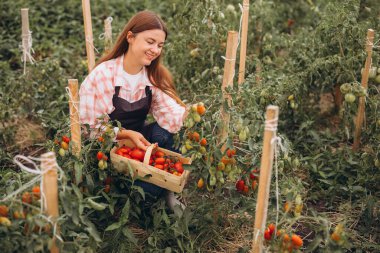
x=150 y=161
x=240 y=185
x=159 y=166
x=118 y=152
x=99 y=155
x=65 y=139
x=26 y=198
x=166 y=166
x=160 y=160
x=271 y=228
x=252 y=176
x=231 y=152
x=125 y=149
x=246 y=189
x=107 y=188
x=196 y=136
x=127 y=156
x=267 y=234
x=108 y=180
x=137 y=154
x=178 y=167
x=36 y=191
x=203 y=142
x=159 y=154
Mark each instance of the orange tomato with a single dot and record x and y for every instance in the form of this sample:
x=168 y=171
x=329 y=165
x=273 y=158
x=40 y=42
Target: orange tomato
x=203 y=142
x=100 y=139
x=196 y=136
x=297 y=241
x=335 y=237
x=201 y=109
x=160 y=160
x=36 y=191
x=3 y=211
x=26 y=198
x=200 y=183
x=254 y=184
x=159 y=154
x=64 y=145
x=159 y=166
x=231 y=152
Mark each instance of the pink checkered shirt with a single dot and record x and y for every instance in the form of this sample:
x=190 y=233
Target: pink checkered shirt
x=98 y=88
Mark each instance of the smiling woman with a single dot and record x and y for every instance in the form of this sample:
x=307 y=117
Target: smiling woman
x=129 y=82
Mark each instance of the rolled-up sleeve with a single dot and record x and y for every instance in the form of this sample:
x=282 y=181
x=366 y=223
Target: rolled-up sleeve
x=166 y=111
x=96 y=97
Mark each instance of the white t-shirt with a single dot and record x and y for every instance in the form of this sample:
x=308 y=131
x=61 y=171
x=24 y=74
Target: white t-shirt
x=133 y=79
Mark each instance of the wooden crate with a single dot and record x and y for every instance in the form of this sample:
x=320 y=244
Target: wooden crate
x=149 y=173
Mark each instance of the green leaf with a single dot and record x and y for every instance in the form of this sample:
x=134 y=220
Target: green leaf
x=131 y=237
x=78 y=168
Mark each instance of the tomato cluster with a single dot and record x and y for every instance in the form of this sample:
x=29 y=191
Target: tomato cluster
x=241 y=185
x=158 y=159
x=63 y=144
x=102 y=158
x=287 y=243
x=26 y=198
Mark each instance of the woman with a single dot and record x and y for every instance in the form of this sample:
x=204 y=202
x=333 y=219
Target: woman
x=128 y=83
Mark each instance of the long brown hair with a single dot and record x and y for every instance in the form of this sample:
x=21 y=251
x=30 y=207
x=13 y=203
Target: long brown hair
x=158 y=74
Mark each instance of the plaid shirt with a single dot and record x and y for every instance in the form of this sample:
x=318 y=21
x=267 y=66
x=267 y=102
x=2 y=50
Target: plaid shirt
x=98 y=88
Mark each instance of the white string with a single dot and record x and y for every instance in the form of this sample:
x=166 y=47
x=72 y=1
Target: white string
x=54 y=223
x=90 y=40
x=256 y=235
x=107 y=30
x=242 y=8
x=27 y=49
x=271 y=125
x=74 y=103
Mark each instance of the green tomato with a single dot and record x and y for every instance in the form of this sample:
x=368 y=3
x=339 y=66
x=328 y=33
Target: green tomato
x=372 y=73
x=62 y=152
x=189 y=123
x=212 y=170
x=183 y=150
x=345 y=88
x=212 y=180
x=242 y=136
x=202 y=150
x=196 y=117
x=349 y=98
x=101 y=165
x=377 y=79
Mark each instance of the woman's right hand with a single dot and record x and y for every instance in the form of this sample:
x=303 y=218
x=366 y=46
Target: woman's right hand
x=136 y=137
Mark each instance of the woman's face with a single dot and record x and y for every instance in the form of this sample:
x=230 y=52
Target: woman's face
x=146 y=46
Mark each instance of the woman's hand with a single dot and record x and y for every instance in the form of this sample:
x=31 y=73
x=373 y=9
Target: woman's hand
x=136 y=137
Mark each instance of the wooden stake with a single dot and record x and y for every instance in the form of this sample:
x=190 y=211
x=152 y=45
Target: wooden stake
x=107 y=34
x=50 y=190
x=229 y=71
x=361 y=108
x=265 y=178
x=74 y=116
x=88 y=34
x=243 y=41
x=25 y=30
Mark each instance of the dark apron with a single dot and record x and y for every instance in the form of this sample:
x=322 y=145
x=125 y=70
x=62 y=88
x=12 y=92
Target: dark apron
x=132 y=116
